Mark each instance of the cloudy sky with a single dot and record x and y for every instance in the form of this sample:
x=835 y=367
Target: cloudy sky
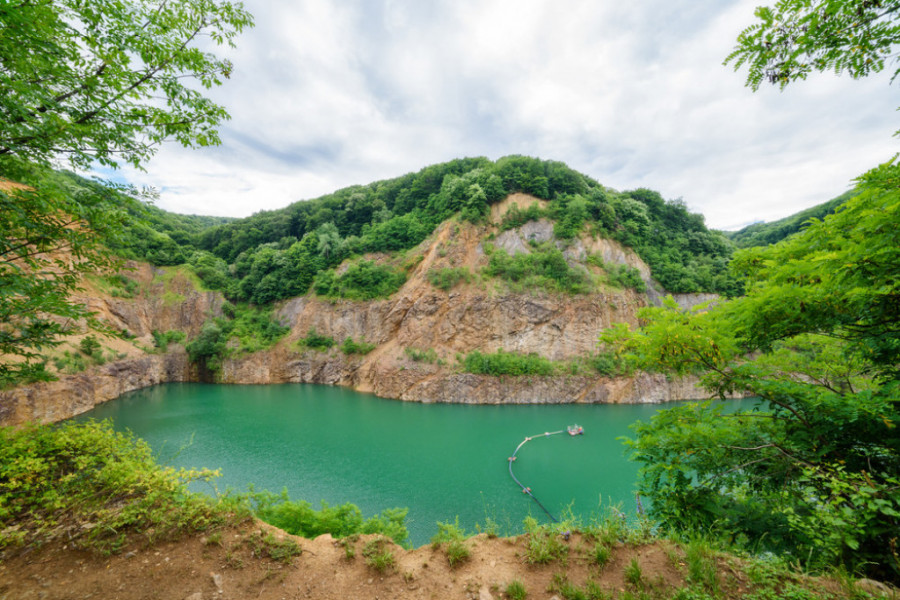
x=331 y=93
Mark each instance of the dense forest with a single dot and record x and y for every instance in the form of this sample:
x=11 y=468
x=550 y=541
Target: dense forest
x=282 y=253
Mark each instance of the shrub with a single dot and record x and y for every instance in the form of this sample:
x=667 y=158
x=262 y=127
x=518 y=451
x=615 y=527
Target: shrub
x=162 y=340
x=377 y=555
x=454 y=537
x=89 y=345
x=416 y=355
x=300 y=518
x=507 y=363
x=315 y=341
x=446 y=279
x=351 y=347
x=363 y=280
x=544 y=268
x=93 y=487
x=543 y=545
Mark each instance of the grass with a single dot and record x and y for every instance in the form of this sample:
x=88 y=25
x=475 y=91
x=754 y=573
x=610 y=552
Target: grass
x=515 y=590
x=543 y=545
x=268 y=546
x=377 y=555
x=634 y=574
x=452 y=537
x=448 y=278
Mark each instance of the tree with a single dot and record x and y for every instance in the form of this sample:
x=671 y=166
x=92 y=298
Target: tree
x=108 y=82
x=796 y=37
x=89 y=83
x=814 y=470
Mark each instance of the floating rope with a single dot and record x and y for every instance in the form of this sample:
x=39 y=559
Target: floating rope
x=573 y=430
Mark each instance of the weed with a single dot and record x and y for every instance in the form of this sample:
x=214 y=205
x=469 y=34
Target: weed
x=543 y=545
x=269 y=546
x=454 y=537
x=448 y=278
x=601 y=554
x=416 y=355
x=232 y=561
x=349 y=544
x=377 y=556
x=315 y=341
x=633 y=573
x=214 y=539
x=351 y=347
x=515 y=590
x=701 y=563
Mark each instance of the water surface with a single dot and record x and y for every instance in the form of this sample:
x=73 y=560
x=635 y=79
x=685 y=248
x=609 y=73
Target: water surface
x=439 y=460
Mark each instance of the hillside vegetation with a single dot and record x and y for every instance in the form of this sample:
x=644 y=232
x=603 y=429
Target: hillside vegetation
x=279 y=254
x=764 y=234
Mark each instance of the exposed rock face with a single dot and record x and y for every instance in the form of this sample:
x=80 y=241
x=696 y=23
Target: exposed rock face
x=74 y=394
x=479 y=315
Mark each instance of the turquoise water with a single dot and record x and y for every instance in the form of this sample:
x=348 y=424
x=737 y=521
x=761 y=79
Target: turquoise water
x=439 y=460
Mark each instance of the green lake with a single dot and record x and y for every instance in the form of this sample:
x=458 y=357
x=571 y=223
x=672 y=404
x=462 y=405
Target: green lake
x=439 y=460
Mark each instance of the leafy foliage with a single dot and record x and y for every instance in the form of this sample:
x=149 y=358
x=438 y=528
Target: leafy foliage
x=300 y=518
x=814 y=469
x=796 y=37
x=51 y=236
x=764 y=234
x=93 y=487
x=316 y=342
x=544 y=267
x=363 y=280
x=109 y=83
x=507 y=363
x=449 y=277
x=246 y=330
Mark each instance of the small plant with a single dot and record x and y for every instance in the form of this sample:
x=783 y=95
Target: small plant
x=448 y=278
x=351 y=347
x=214 y=539
x=600 y=554
x=282 y=550
x=454 y=537
x=633 y=573
x=543 y=545
x=315 y=341
x=89 y=345
x=377 y=555
x=515 y=589
x=349 y=545
x=428 y=356
x=701 y=565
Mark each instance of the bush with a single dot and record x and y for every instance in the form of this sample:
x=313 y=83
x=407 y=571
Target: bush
x=363 y=280
x=448 y=278
x=544 y=268
x=507 y=363
x=162 y=340
x=416 y=355
x=316 y=342
x=89 y=345
x=454 y=537
x=300 y=518
x=93 y=487
x=351 y=347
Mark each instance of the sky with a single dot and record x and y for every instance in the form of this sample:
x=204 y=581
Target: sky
x=331 y=93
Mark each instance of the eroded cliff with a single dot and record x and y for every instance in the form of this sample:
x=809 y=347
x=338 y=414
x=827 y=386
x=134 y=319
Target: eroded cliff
x=479 y=314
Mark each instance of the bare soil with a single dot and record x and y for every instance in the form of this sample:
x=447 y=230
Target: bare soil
x=226 y=565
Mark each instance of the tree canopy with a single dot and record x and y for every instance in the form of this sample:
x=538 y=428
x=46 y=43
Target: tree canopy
x=814 y=470
x=108 y=82
x=89 y=83
x=795 y=37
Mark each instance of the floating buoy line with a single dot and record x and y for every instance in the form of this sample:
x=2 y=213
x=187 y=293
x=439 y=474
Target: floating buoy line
x=572 y=430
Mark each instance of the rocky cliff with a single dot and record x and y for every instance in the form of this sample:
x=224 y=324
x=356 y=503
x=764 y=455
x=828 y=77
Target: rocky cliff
x=481 y=314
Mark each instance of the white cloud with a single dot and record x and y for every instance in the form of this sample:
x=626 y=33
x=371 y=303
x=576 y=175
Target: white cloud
x=329 y=94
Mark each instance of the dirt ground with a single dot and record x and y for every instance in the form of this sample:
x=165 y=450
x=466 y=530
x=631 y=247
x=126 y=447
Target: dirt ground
x=223 y=566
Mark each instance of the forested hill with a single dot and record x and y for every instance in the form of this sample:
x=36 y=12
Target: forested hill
x=763 y=234
x=278 y=254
